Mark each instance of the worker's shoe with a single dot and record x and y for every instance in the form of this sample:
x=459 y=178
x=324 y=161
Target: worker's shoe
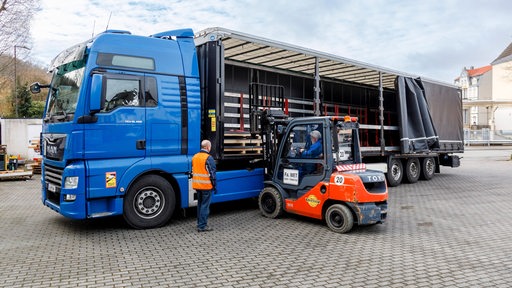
x=205 y=229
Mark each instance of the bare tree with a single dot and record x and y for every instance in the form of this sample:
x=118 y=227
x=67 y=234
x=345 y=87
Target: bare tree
x=15 y=17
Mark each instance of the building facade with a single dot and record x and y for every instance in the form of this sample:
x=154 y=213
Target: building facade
x=487 y=95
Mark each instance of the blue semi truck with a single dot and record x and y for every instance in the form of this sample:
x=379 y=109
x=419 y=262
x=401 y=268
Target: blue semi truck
x=126 y=113
x=121 y=124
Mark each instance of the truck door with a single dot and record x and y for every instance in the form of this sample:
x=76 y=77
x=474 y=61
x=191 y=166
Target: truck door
x=117 y=138
x=302 y=160
x=166 y=122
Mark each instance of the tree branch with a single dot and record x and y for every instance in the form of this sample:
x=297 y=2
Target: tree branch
x=3 y=7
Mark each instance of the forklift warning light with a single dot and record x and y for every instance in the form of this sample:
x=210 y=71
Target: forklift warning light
x=350 y=119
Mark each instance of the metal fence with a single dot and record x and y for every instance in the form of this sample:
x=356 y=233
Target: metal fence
x=487 y=137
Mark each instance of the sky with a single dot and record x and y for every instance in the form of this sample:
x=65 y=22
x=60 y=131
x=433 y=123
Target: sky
x=433 y=39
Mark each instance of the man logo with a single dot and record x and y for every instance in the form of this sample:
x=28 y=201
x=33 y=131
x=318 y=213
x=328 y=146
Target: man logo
x=51 y=150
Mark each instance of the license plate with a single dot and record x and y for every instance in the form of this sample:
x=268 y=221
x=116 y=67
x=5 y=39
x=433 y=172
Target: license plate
x=52 y=187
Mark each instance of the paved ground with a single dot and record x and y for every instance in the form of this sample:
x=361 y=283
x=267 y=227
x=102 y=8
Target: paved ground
x=452 y=231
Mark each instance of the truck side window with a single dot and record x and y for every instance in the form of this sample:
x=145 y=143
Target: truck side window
x=122 y=92
x=150 y=92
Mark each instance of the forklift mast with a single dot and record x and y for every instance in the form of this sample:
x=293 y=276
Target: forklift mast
x=267 y=119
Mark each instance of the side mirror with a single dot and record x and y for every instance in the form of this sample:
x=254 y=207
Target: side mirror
x=96 y=100
x=35 y=88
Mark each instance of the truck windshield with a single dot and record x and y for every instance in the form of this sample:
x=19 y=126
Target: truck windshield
x=64 y=91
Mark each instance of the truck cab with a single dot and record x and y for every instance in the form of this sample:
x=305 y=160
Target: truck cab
x=331 y=184
x=124 y=116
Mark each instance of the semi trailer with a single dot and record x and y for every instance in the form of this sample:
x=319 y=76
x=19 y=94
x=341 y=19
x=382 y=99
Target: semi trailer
x=125 y=114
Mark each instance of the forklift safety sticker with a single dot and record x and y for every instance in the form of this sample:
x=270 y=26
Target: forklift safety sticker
x=110 y=179
x=291 y=176
x=339 y=180
x=312 y=201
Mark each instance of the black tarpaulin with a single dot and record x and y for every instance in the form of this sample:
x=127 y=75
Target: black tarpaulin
x=445 y=106
x=417 y=132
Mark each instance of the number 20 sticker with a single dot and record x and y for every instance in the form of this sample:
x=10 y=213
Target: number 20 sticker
x=338 y=180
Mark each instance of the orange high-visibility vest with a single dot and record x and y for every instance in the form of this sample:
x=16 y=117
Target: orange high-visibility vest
x=200 y=175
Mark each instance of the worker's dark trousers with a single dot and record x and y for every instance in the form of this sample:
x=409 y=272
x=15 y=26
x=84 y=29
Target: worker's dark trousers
x=204 y=198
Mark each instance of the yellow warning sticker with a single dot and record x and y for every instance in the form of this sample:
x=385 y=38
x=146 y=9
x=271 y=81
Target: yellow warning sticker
x=110 y=179
x=214 y=125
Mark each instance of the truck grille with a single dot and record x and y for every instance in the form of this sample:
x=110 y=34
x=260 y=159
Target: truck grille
x=53 y=183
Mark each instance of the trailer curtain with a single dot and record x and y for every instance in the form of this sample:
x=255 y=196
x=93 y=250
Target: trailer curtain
x=417 y=132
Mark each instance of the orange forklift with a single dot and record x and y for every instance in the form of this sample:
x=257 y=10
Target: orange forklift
x=314 y=169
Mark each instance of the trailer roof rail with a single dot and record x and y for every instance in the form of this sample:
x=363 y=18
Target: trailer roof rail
x=270 y=54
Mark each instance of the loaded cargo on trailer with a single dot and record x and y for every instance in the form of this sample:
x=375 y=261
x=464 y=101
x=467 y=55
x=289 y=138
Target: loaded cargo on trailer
x=125 y=114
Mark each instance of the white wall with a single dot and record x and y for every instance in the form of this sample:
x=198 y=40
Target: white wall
x=503 y=119
x=17 y=133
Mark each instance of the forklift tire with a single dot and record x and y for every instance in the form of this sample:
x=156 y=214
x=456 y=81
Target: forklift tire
x=395 y=172
x=149 y=203
x=428 y=168
x=270 y=202
x=412 y=170
x=339 y=218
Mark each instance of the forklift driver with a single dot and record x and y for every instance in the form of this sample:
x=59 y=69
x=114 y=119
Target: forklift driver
x=315 y=151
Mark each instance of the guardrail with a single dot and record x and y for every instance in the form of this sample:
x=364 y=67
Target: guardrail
x=486 y=138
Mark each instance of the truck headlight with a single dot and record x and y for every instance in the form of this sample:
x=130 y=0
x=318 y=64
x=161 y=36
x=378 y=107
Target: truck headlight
x=71 y=182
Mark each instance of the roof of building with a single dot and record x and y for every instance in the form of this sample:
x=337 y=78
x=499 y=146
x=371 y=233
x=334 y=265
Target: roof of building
x=479 y=71
x=505 y=56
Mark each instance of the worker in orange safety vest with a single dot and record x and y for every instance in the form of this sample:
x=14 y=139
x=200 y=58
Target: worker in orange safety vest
x=204 y=182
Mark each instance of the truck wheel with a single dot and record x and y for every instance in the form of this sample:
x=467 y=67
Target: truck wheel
x=395 y=172
x=428 y=168
x=270 y=202
x=339 y=218
x=412 y=170
x=149 y=203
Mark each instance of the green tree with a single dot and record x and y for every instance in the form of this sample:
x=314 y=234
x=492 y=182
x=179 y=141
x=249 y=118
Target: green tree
x=24 y=100
x=26 y=107
x=37 y=109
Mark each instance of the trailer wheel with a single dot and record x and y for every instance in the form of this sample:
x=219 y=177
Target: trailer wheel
x=149 y=203
x=395 y=172
x=428 y=168
x=412 y=170
x=339 y=218
x=270 y=202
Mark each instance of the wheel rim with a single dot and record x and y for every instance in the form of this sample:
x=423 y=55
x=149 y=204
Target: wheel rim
x=413 y=169
x=395 y=171
x=268 y=203
x=336 y=219
x=149 y=202
x=429 y=166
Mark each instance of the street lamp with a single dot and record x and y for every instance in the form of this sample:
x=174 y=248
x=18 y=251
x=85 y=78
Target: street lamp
x=15 y=82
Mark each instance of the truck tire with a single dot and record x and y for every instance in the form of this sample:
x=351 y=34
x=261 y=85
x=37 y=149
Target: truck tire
x=395 y=172
x=412 y=170
x=428 y=168
x=339 y=218
x=270 y=202
x=149 y=203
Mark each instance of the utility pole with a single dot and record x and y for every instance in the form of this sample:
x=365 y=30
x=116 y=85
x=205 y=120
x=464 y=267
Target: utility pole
x=15 y=80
